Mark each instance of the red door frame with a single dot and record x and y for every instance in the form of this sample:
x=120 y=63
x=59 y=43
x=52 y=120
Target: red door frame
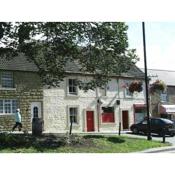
x=90 y=121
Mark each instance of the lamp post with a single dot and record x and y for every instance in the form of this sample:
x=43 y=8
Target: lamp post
x=119 y=129
x=146 y=85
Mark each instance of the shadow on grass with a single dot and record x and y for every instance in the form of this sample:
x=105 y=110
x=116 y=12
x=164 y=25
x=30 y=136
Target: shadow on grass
x=93 y=136
x=115 y=140
x=110 y=138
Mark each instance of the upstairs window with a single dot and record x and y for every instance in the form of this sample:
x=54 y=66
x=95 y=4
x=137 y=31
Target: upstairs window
x=7 y=79
x=103 y=91
x=125 y=85
x=163 y=97
x=72 y=87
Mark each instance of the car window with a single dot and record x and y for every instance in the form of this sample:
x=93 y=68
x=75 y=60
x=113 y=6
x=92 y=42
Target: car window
x=156 y=122
x=167 y=121
x=144 y=122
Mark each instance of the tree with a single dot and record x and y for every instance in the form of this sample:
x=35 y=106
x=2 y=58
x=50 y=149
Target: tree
x=98 y=48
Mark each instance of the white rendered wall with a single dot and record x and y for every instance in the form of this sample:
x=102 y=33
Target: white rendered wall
x=56 y=102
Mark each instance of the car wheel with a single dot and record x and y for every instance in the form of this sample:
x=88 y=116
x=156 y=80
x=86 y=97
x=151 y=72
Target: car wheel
x=172 y=135
x=135 y=131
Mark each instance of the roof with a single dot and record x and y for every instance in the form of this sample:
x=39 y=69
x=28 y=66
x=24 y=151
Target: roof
x=21 y=63
x=168 y=76
x=134 y=71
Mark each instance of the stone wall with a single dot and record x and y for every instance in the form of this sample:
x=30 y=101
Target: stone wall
x=27 y=89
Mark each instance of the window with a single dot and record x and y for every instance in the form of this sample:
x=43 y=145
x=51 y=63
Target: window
x=103 y=91
x=8 y=106
x=72 y=89
x=163 y=97
x=7 y=79
x=144 y=122
x=73 y=114
x=108 y=115
x=156 y=122
x=35 y=112
x=127 y=93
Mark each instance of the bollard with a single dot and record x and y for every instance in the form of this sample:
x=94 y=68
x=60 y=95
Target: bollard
x=71 y=121
x=119 y=128
x=163 y=135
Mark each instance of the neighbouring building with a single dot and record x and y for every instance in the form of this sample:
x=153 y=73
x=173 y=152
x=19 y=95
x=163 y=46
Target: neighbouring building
x=100 y=110
x=20 y=87
x=163 y=104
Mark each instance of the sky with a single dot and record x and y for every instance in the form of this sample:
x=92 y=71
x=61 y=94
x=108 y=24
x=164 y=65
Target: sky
x=160 y=44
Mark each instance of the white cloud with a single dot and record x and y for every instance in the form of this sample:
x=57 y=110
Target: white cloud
x=157 y=57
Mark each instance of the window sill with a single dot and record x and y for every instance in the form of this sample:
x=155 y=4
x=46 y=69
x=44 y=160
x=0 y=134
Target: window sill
x=129 y=97
x=6 y=115
x=8 y=89
x=108 y=123
x=74 y=125
x=72 y=95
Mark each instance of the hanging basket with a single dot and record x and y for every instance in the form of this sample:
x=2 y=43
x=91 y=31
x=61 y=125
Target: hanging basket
x=135 y=86
x=157 y=86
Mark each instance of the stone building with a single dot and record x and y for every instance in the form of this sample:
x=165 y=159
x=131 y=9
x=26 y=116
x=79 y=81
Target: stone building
x=100 y=110
x=20 y=87
x=163 y=103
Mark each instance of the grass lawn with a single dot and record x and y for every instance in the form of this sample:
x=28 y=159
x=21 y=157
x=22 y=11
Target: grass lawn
x=16 y=143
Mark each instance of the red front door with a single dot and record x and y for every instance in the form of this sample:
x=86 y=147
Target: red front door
x=90 y=120
x=125 y=119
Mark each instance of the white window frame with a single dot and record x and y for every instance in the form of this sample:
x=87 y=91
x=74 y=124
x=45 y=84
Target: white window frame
x=164 y=97
x=103 y=89
x=126 y=90
x=11 y=106
x=76 y=87
x=7 y=79
x=77 y=107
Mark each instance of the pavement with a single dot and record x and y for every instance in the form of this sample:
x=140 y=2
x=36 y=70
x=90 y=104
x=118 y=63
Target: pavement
x=167 y=149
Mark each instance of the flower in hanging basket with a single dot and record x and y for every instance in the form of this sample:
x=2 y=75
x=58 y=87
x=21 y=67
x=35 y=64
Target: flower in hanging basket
x=124 y=85
x=157 y=86
x=135 y=86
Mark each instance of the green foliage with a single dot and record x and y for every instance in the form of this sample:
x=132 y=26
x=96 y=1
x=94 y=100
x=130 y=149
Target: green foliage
x=157 y=86
x=75 y=144
x=99 y=48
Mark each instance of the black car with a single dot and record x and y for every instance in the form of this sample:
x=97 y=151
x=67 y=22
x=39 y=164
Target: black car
x=158 y=126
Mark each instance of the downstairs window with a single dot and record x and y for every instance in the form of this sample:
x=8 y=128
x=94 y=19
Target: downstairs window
x=108 y=115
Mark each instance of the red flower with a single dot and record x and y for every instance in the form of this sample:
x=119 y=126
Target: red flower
x=135 y=86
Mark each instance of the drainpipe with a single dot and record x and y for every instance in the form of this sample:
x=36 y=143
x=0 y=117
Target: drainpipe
x=118 y=104
x=98 y=110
